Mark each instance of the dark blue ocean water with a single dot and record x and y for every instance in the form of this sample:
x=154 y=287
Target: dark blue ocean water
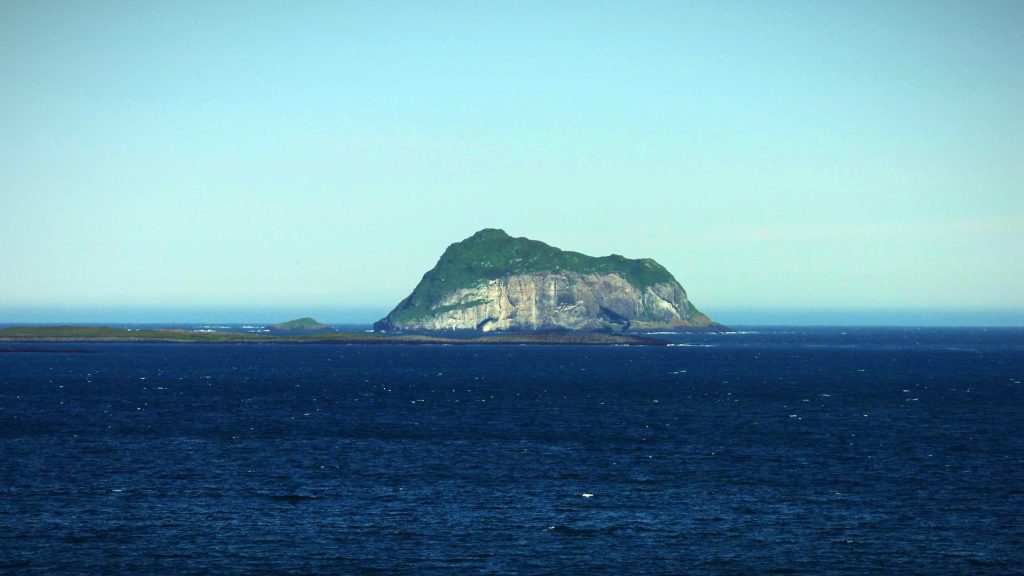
x=817 y=451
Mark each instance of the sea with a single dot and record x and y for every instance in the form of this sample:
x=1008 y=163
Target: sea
x=761 y=451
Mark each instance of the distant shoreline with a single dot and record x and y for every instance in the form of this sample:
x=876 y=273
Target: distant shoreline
x=102 y=334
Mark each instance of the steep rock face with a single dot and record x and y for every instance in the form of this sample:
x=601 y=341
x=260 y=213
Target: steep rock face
x=492 y=281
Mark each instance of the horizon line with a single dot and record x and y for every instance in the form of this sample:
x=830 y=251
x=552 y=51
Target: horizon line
x=364 y=315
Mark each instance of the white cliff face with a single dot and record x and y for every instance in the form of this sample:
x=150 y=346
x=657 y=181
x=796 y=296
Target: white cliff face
x=559 y=300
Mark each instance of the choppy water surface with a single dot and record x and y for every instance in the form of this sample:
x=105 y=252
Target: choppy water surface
x=771 y=451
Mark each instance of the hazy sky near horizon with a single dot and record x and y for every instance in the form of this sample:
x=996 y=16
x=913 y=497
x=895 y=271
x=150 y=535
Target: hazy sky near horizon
x=323 y=154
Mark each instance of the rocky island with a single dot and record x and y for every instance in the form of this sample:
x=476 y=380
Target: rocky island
x=494 y=282
x=516 y=290
x=305 y=325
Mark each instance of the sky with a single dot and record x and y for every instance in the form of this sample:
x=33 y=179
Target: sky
x=250 y=161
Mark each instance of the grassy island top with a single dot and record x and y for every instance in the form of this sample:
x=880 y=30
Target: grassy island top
x=491 y=253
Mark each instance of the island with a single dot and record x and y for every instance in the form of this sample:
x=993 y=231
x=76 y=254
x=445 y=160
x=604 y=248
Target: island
x=492 y=281
x=490 y=288
x=305 y=325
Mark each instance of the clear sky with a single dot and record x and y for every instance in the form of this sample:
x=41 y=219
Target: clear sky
x=318 y=157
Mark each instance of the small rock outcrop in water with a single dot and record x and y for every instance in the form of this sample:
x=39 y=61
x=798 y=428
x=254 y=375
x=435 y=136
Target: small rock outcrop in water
x=300 y=326
x=492 y=281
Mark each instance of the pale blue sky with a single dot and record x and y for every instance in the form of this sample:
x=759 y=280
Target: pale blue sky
x=318 y=157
